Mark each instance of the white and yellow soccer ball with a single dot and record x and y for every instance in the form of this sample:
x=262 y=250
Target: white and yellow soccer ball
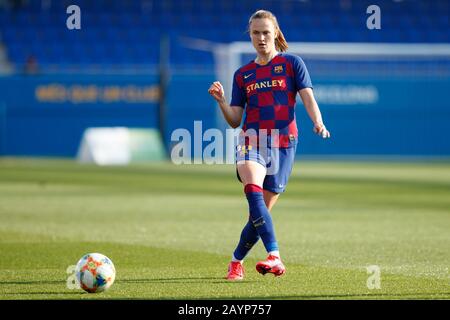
x=95 y=272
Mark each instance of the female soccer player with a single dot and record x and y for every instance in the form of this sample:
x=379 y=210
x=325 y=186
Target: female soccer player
x=266 y=87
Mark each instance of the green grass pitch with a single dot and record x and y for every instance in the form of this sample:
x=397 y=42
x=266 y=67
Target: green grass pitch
x=170 y=230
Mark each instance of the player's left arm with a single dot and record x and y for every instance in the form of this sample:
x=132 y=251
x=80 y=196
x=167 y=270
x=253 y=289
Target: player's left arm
x=313 y=110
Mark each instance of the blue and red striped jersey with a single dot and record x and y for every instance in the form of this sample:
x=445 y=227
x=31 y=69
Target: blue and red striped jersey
x=268 y=93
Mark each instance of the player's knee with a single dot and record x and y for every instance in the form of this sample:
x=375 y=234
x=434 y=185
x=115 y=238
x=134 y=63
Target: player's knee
x=270 y=198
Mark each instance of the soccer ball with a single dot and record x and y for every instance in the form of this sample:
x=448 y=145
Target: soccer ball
x=95 y=272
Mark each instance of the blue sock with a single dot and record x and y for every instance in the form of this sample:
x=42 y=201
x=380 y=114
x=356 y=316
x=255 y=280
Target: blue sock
x=260 y=216
x=249 y=237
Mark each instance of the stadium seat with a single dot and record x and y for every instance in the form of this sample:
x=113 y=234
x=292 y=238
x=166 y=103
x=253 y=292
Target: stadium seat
x=136 y=25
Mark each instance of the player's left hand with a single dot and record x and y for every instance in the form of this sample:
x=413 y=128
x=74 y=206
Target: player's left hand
x=321 y=130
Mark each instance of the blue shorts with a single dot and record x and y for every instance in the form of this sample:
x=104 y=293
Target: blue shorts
x=277 y=161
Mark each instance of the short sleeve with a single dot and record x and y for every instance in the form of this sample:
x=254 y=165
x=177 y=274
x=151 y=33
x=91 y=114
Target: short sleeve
x=301 y=74
x=238 y=96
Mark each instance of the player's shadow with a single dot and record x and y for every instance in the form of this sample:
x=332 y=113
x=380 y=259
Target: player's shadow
x=181 y=280
x=15 y=282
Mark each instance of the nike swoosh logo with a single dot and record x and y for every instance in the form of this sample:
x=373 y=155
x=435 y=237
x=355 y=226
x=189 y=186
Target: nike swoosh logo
x=247 y=75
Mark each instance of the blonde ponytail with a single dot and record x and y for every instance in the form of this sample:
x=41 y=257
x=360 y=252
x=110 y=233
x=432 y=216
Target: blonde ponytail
x=280 y=42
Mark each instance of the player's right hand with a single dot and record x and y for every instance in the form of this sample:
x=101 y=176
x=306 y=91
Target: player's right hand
x=321 y=130
x=216 y=91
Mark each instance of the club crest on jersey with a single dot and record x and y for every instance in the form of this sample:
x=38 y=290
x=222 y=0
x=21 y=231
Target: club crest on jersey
x=243 y=150
x=278 y=69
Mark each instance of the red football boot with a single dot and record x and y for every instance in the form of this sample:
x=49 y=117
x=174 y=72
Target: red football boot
x=235 y=271
x=272 y=264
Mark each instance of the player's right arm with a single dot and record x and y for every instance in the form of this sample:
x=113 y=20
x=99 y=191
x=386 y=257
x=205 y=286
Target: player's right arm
x=232 y=114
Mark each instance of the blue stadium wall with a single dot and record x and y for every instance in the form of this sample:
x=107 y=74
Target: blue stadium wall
x=45 y=115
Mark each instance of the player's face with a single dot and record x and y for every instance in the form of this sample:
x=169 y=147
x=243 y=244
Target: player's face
x=262 y=33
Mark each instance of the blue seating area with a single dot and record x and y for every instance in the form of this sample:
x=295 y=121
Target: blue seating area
x=128 y=32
